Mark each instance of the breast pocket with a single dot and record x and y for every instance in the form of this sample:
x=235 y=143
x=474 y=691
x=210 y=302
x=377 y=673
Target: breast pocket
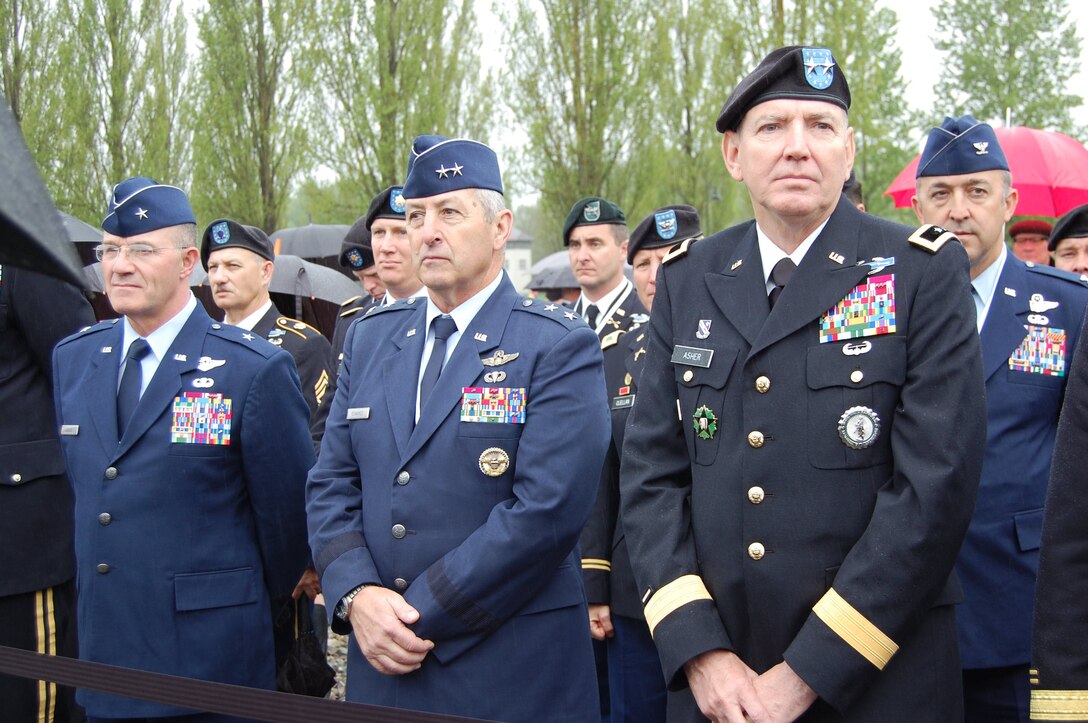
x=852 y=398
x=701 y=392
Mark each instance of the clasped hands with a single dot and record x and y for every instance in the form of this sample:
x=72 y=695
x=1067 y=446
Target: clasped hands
x=379 y=619
x=728 y=691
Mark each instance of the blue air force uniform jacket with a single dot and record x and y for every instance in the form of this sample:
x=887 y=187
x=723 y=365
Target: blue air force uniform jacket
x=476 y=524
x=1059 y=678
x=182 y=537
x=1028 y=339
x=756 y=525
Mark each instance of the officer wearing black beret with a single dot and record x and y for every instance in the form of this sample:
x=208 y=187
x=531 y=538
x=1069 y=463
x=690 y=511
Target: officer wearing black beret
x=357 y=255
x=796 y=482
x=595 y=234
x=1028 y=319
x=239 y=261
x=1069 y=241
x=636 y=687
x=384 y=221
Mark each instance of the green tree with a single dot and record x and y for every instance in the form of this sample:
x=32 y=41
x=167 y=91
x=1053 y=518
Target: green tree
x=1003 y=55
x=575 y=76
x=392 y=70
x=254 y=107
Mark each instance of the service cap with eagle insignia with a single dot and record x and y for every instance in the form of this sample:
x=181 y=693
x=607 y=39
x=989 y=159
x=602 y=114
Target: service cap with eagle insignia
x=959 y=146
x=592 y=211
x=931 y=238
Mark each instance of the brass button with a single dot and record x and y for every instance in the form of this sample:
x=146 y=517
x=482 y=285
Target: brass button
x=400 y=583
x=756 y=551
x=763 y=384
x=755 y=495
x=755 y=439
x=856 y=376
x=689 y=375
x=111 y=473
x=105 y=518
x=16 y=478
x=102 y=568
x=399 y=531
x=403 y=477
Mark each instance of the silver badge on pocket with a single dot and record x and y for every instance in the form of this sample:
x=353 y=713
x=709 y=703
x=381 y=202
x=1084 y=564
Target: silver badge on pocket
x=859 y=427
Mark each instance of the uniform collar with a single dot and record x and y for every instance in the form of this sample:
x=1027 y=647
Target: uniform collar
x=464 y=313
x=772 y=254
x=160 y=339
x=985 y=284
x=251 y=321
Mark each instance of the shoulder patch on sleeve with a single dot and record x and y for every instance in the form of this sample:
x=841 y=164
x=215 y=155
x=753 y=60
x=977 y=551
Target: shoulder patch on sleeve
x=611 y=339
x=550 y=310
x=677 y=252
x=931 y=238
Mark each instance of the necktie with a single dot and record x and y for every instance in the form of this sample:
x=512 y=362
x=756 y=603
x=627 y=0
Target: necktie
x=780 y=275
x=443 y=326
x=128 y=393
x=591 y=316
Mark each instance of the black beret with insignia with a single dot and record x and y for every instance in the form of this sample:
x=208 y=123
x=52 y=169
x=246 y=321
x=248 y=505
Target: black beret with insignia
x=355 y=251
x=666 y=226
x=387 y=204
x=592 y=211
x=225 y=234
x=1072 y=225
x=792 y=72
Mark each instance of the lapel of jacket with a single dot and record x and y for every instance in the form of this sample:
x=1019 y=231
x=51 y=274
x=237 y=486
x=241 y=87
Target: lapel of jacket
x=464 y=366
x=400 y=372
x=738 y=289
x=166 y=384
x=266 y=323
x=101 y=385
x=820 y=281
x=1004 y=329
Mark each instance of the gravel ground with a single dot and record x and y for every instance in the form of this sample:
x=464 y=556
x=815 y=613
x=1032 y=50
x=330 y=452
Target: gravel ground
x=337 y=653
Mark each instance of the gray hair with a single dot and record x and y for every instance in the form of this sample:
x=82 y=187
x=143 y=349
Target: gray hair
x=185 y=236
x=492 y=203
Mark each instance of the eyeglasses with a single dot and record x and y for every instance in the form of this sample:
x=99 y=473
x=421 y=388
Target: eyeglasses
x=135 y=252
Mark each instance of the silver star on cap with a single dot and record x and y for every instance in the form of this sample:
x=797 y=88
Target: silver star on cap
x=443 y=172
x=457 y=169
x=141 y=213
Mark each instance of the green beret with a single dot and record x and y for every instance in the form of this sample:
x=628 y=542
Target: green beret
x=592 y=211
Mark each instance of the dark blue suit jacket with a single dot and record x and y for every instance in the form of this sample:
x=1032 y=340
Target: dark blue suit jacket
x=1000 y=554
x=488 y=561
x=179 y=546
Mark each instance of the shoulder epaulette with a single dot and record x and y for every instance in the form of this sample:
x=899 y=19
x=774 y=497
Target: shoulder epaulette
x=352 y=300
x=611 y=339
x=931 y=238
x=93 y=328
x=677 y=251
x=352 y=310
x=248 y=339
x=1078 y=279
x=551 y=310
x=296 y=327
x=379 y=309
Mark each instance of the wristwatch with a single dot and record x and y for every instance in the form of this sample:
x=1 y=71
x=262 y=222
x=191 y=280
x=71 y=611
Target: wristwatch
x=344 y=606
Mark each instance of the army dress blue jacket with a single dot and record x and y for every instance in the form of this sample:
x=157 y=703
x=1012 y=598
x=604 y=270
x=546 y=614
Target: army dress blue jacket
x=188 y=526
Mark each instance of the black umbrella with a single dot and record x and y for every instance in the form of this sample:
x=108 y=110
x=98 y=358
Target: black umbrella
x=552 y=272
x=83 y=235
x=319 y=243
x=33 y=236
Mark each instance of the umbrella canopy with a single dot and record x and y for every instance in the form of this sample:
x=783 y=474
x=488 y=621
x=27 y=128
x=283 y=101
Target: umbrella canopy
x=33 y=236
x=552 y=272
x=83 y=235
x=1050 y=171
x=315 y=241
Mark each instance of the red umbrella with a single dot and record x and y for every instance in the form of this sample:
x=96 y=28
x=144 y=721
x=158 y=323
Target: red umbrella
x=1050 y=170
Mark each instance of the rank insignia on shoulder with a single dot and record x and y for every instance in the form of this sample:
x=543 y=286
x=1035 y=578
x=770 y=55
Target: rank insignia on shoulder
x=705 y=422
x=677 y=252
x=611 y=339
x=868 y=310
x=931 y=238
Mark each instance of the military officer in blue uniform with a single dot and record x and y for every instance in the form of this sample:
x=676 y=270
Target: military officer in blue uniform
x=595 y=234
x=1059 y=674
x=636 y=685
x=239 y=261
x=446 y=504
x=37 y=577
x=1028 y=317
x=187 y=446
x=796 y=482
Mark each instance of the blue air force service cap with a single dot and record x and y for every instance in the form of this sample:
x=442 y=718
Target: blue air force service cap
x=592 y=211
x=790 y=72
x=961 y=145
x=666 y=226
x=438 y=165
x=140 y=205
x=1072 y=225
x=225 y=234
x=387 y=204
x=355 y=250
